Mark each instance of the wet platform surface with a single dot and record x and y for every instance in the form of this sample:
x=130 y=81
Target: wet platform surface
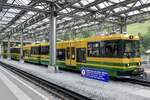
x=14 y=88
x=94 y=89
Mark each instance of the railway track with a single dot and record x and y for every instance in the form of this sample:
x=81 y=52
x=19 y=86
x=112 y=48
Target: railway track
x=55 y=89
x=135 y=80
x=139 y=81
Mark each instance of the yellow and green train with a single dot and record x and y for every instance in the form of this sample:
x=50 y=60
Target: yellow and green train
x=119 y=54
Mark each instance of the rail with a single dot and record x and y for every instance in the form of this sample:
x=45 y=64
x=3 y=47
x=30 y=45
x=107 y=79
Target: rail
x=55 y=89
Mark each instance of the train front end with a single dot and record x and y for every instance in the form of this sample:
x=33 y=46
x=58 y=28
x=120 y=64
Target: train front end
x=131 y=56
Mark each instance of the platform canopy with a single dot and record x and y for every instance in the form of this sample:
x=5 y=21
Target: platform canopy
x=32 y=16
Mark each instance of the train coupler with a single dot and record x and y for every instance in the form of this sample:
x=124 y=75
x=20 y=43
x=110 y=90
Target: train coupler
x=138 y=71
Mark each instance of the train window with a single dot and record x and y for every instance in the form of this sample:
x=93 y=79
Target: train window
x=45 y=50
x=131 y=48
x=81 y=55
x=68 y=53
x=93 y=49
x=15 y=50
x=12 y=50
x=111 y=48
x=102 y=49
x=35 y=50
x=61 y=54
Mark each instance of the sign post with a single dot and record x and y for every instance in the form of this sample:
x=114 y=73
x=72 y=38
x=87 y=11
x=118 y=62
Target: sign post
x=94 y=73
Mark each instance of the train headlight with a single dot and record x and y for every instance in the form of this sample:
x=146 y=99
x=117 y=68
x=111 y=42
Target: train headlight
x=128 y=65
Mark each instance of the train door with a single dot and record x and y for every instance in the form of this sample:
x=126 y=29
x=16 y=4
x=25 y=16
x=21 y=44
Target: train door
x=68 y=52
x=81 y=55
x=71 y=55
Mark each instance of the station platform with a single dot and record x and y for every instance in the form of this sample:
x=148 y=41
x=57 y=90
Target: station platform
x=95 y=89
x=14 y=88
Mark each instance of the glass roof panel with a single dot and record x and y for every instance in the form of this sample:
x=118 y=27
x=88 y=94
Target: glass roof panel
x=26 y=1
x=6 y=19
x=123 y=15
x=46 y=20
x=10 y=15
x=84 y=2
x=115 y=1
x=117 y=9
x=69 y=9
x=10 y=1
x=93 y=8
x=81 y=13
x=130 y=5
x=64 y=11
x=22 y=2
x=17 y=3
x=124 y=8
x=40 y=7
x=3 y=22
x=14 y=10
x=102 y=5
x=30 y=13
x=1 y=14
x=146 y=9
x=60 y=21
x=91 y=1
x=76 y=4
x=6 y=10
x=145 y=1
x=133 y=12
x=67 y=18
x=137 y=4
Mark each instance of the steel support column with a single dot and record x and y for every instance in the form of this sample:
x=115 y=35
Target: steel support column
x=21 y=47
x=123 y=27
x=52 y=41
x=8 y=49
x=0 y=50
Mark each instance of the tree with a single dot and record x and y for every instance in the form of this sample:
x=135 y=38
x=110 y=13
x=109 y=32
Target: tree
x=146 y=40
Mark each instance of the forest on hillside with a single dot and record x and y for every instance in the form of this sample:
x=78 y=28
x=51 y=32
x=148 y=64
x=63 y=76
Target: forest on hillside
x=143 y=29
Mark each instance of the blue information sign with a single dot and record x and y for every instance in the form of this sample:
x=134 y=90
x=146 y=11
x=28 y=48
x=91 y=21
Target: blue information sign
x=95 y=73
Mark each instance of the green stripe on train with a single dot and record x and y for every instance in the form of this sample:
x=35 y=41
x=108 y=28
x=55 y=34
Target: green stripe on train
x=111 y=71
x=99 y=63
x=110 y=63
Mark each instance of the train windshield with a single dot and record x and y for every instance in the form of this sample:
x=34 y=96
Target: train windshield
x=131 y=48
x=15 y=50
x=114 y=48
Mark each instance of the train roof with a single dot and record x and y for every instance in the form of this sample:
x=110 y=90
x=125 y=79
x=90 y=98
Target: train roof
x=35 y=44
x=116 y=36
